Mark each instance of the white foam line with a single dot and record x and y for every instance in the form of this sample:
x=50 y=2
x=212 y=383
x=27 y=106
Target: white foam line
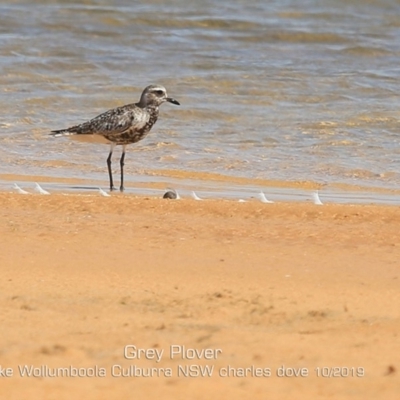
x=316 y=199
x=263 y=199
x=194 y=195
x=103 y=193
x=19 y=190
x=40 y=190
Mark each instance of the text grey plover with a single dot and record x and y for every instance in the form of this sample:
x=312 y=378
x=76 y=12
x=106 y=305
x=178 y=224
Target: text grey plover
x=123 y=125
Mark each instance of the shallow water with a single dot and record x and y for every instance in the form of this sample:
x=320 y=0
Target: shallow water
x=282 y=90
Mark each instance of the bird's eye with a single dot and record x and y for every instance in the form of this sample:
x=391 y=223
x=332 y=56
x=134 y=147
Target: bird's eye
x=159 y=92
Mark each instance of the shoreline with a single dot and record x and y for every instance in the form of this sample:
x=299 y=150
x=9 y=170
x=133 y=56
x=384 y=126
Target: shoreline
x=213 y=187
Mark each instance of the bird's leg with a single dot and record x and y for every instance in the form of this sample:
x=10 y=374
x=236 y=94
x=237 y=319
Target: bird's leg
x=121 y=163
x=109 y=168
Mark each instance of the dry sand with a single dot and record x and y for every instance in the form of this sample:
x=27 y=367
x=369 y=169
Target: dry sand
x=311 y=288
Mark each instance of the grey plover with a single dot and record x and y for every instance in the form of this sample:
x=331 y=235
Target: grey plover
x=123 y=125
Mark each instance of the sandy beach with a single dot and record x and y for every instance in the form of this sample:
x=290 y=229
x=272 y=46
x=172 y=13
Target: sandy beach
x=284 y=300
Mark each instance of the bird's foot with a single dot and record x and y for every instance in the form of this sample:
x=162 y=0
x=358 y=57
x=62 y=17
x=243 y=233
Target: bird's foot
x=112 y=188
x=121 y=189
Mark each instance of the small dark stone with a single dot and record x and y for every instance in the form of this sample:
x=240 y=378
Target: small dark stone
x=169 y=195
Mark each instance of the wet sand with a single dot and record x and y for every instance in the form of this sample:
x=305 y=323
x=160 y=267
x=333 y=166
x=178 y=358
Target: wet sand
x=312 y=288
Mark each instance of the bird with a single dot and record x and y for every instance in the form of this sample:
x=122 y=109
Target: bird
x=122 y=125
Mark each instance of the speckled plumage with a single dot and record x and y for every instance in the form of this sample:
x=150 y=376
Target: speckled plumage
x=123 y=125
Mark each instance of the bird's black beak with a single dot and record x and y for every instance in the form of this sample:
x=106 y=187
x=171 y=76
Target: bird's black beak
x=173 y=101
